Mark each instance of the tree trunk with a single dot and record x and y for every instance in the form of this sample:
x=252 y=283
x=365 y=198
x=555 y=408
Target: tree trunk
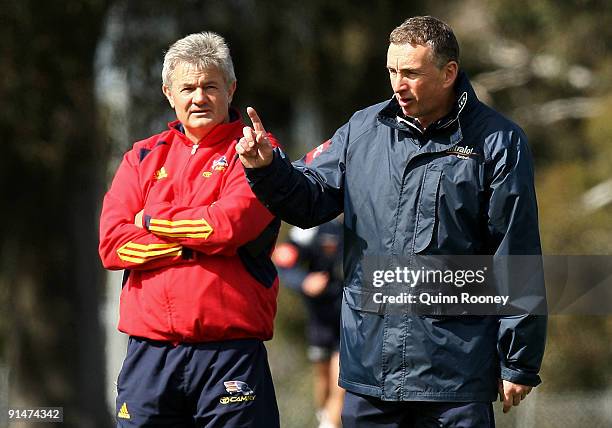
x=52 y=167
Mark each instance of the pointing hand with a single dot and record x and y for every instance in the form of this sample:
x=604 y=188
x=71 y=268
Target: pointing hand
x=254 y=148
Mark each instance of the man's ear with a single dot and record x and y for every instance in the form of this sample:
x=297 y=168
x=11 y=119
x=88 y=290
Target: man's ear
x=230 y=91
x=451 y=70
x=168 y=93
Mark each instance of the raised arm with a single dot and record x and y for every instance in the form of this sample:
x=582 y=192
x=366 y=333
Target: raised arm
x=305 y=194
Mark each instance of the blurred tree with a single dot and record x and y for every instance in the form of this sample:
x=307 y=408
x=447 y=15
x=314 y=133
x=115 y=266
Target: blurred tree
x=51 y=169
x=321 y=56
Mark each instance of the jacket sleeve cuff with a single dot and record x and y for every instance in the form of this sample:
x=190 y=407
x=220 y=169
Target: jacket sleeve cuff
x=271 y=183
x=151 y=212
x=146 y=222
x=257 y=174
x=521 y=378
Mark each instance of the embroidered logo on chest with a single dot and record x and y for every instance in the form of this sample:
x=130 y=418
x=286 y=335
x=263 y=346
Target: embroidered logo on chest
x=462 y=152
x=161 y=173
x=220 y=164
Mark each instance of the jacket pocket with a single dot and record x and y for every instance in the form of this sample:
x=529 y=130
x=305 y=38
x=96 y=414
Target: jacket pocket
x=427 y=209
x=362 y=301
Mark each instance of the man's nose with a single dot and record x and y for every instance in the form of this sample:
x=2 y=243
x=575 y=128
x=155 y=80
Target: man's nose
x=397 y=82
x=199 y=96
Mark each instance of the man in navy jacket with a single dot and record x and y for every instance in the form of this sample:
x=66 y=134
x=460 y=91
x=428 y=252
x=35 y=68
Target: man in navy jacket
x=433 y=171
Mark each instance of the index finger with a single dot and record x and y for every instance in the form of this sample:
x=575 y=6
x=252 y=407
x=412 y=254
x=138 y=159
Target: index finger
x=257 y=125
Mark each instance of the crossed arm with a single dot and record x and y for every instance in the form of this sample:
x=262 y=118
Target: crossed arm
x=135 y=234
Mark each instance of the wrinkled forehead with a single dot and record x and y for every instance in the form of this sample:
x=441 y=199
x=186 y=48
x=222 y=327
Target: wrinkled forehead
x=408 y=55
x=186 y=72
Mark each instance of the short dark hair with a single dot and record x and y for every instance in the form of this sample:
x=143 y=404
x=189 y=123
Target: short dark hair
x=428 y=31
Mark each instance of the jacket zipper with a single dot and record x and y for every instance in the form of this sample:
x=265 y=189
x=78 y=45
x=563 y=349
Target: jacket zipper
x=194 y=149
x=170 y=311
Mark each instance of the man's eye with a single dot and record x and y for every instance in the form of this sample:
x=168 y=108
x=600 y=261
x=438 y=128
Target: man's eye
x=391 y=71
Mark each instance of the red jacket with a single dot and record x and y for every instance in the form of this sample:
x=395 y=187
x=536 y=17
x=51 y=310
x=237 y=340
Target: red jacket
x=199 y=270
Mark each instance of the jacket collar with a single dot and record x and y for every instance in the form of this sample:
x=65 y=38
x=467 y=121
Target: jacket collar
x=221 y=132
x=391 y=114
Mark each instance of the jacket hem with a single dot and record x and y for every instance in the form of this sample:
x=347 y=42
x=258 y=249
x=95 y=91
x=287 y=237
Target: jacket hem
x=444 y=396
x=375 y=391
x=359 y=388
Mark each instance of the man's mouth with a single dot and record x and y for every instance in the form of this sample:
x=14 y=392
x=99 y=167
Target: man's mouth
x=404 y=100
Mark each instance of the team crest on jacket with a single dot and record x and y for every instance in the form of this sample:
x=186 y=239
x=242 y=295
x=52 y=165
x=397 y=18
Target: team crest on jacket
x=220 y=164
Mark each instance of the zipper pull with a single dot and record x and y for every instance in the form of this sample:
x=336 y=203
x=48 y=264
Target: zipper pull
x=194 y=148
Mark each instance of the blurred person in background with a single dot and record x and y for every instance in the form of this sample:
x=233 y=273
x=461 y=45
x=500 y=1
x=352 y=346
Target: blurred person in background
x=431 y=171
x=199 y=289
x=310 y=263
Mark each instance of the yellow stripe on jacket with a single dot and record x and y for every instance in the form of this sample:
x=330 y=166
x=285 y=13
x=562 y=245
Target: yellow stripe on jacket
x=181 y=228
x=139 y=253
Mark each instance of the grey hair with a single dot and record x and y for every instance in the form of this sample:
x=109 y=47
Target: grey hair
x=428 y=31
x=203 y=50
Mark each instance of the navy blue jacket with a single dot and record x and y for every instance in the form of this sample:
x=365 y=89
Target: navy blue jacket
x=464 y=186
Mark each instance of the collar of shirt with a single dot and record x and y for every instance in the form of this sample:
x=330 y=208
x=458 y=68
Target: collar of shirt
x=444 y=122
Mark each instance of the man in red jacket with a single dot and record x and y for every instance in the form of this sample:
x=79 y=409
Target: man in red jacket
x=199 y=290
